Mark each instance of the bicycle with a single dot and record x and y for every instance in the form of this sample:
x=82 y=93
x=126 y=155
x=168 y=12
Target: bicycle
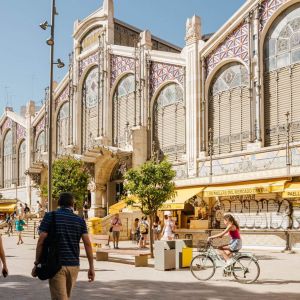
x=244 y=268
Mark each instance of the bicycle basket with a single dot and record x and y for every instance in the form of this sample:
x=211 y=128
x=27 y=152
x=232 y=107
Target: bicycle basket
x=202 y=246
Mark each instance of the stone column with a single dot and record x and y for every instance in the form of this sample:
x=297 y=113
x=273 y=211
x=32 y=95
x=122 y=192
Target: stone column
x=193 y=36
x=139 y=142
x=97 y=199
x=257 y=78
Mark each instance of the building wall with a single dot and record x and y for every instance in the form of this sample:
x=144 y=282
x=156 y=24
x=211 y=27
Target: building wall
x=195 y=71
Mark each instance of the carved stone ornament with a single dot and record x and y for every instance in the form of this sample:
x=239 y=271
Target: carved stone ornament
x=92 y=186
x=193 y=29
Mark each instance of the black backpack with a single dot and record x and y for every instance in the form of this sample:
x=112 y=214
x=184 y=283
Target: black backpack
x=50 y=263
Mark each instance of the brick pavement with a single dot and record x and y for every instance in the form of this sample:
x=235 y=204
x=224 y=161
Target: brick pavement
x=279 y=280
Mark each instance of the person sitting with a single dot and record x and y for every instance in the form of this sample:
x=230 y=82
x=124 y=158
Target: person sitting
x=233 y=229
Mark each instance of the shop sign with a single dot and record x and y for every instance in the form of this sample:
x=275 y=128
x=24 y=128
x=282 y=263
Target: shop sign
x=291 y=194
x=172 y=206
x=235 y=192
x=8 y=201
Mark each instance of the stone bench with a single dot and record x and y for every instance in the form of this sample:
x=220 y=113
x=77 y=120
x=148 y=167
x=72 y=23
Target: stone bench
x=140 y=256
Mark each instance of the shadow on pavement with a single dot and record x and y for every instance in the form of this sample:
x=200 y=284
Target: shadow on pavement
x=26 y=288
x=144 y=289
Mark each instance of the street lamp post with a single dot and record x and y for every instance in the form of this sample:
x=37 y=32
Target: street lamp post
x=60 y=64
x=50 y=112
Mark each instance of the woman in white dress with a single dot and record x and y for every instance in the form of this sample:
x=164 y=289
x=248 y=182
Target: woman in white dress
x=169 y=228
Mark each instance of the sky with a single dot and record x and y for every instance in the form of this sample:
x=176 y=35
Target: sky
x=24 y=55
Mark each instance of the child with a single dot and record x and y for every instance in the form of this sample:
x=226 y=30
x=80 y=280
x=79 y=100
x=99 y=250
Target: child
x=233 y=229
x=19 y=228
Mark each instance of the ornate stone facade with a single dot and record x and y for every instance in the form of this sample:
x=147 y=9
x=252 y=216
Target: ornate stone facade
x=161 y=73
x=215 y=82
x=236 y=45
x=120 y=64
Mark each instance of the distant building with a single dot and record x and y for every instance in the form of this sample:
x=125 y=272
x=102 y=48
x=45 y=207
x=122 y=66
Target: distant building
x=216 y=108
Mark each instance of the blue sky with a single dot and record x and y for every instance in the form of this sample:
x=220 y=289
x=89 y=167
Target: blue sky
x=24 y=56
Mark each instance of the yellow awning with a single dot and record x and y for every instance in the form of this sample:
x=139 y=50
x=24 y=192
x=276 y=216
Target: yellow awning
x=7 y=208
x=182 y=195
x=292 y=190
x=245 y=188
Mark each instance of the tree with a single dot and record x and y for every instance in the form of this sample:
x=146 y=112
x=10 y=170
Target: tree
x=69 y=175
x=152 y=183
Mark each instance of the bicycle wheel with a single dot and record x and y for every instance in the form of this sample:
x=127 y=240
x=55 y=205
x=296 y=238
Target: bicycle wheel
x=203 y=267
x=246 y=269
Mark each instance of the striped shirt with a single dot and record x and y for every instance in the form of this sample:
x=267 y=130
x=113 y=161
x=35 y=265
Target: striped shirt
x=70 y=229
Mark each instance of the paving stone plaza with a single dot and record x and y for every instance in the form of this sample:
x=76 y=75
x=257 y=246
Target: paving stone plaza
x=279 y=280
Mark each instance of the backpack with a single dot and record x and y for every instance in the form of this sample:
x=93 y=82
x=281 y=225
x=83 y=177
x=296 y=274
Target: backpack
x=143 y=228
x=50 y=263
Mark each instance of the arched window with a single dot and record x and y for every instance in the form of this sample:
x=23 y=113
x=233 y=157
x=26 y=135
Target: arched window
x=229 y=109
x=7 y=159
x=169 y=122
x=63 y=130
x=40 y=146
x=124 y=111
x=282 y=77
x=91 y=120
x=22 y=163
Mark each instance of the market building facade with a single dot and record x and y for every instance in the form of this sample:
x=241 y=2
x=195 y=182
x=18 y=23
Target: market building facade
x=224 y=110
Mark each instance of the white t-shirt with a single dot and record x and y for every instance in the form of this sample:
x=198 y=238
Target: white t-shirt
x=169 y=225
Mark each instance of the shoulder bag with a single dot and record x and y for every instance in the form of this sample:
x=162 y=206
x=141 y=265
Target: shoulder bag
x=50 y=263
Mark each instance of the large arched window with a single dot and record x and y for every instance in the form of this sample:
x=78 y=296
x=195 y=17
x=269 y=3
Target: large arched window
x=229 y=109
x=282 y=77
x=169 y=122
x=63 y=130
x=91 y=121
x=22 y=163
x=40 y=145
x=7 y=159
x=124 y=111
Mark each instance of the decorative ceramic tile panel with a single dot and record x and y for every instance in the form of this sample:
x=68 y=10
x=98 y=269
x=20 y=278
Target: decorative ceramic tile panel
x=160 y=73
x=119 y=65
x=236 y=45
x=64 y=95
x=84 y=63
x=21 y=132
x=7 y=124
x=269 y=7
x=40 y=126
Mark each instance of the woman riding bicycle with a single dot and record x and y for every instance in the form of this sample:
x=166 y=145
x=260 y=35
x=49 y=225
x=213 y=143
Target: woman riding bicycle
x=233 y=229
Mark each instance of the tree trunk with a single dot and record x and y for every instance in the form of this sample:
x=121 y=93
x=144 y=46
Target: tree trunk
x=151 y=235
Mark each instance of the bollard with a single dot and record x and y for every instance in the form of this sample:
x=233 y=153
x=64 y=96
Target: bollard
x=34 y=229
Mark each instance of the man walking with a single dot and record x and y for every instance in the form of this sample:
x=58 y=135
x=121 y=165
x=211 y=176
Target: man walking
x=70 y=229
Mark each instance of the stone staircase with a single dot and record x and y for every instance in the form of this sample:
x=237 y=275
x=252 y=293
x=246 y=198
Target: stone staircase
x=29 y=228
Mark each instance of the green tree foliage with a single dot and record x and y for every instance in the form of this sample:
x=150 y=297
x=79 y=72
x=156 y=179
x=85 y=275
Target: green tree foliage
x=152 y=183
x=69 y=175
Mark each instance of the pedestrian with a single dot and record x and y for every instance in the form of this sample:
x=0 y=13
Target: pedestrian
x=26 y=212
x=3 y=259
x=135 y=231
x=19 y=228
x=9 y=221
x=116 y=226
x=85 y=210
x=169 y=228
x=144 y=230
x=70 y=229
x=21 y=210
x=156 y=230
x=39 y=209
